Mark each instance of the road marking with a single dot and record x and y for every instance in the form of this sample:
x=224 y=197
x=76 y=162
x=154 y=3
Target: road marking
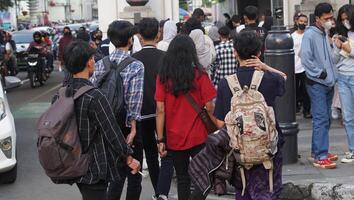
x=45 y=93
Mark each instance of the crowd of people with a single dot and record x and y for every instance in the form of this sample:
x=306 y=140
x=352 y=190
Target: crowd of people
x=162 y=71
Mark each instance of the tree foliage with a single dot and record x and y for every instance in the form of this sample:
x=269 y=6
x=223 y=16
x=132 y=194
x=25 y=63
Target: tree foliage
x=5 y=4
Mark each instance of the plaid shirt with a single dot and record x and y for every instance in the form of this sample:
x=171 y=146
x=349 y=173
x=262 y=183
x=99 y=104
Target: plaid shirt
x=100 y=135
x=225 y=63
x=133 y=83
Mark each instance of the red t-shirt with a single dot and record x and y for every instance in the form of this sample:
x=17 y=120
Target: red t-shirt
x=184 y=129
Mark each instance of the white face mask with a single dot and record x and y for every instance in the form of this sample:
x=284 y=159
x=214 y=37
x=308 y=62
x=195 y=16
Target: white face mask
x=327 y=25
x=346 y=24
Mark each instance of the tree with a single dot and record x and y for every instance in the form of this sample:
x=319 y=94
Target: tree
x=183 y=4
x=5 y=4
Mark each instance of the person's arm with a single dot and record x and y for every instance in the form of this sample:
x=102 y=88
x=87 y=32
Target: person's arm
x=160 y=126
x=99 y=71
x=112 y=133
x=307 y=58
x=258 y=64
x=133 y=96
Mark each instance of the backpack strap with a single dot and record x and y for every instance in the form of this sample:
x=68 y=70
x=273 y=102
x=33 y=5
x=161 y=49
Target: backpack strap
x=82 y=91
x=120 y=67
x=233 y=83
x=256 y=79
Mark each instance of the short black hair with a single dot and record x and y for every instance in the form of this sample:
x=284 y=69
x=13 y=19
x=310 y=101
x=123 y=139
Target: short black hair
x=148 y=28
x=76 y=56
x=119 y=32
x=236 y=18
x=247 y=44
x=190 y=25
x=323 y=8
x=198 y=12
x=251 y=12
x=83 y=35
x=224 y=31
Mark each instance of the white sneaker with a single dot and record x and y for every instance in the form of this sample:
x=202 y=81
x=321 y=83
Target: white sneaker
x=154 y=197
x=348 y=158
x=162 y=197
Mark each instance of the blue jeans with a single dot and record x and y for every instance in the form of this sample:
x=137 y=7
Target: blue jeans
x=346 y=94
x=321 y=100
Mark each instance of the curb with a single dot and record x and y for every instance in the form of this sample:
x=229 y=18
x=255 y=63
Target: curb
x=317 y=191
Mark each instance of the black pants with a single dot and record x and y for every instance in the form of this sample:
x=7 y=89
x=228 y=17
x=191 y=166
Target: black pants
x=165 y=176
x=181 y=164
x=134 y=180
x=302 y=98
x=147 y=129
x=93 y=192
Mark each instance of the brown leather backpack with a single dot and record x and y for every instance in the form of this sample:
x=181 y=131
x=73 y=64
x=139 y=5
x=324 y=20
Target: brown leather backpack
x=58 y=144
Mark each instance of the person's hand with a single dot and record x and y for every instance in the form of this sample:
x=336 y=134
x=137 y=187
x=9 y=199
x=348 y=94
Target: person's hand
x=257 y=63
x=133 y=164
x=162 y=149
x=346 y=47
x=130 y=137
x=338 y=43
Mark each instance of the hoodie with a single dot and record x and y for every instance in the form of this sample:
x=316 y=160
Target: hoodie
x=316 y=56
x=345 y=65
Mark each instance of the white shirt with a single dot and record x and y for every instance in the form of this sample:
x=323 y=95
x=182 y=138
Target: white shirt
x=297 y=48
x=240 y=28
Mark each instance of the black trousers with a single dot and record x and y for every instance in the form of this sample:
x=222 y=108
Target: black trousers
x=302 y=98
x=147 y=129
x=181 y=164
x=93 y=192
x=134 y=188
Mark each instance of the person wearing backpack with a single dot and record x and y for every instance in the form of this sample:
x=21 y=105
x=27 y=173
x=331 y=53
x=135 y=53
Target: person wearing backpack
x=121 y=79
x=258 y=182
x=100 y=136
x=180 y=79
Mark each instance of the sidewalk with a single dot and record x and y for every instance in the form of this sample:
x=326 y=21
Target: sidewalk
x=305 y=181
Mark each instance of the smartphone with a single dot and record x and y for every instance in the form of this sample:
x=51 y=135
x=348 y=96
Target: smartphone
x=342 y=38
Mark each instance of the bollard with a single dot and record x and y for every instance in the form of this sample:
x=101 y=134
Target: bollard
x=279 y=54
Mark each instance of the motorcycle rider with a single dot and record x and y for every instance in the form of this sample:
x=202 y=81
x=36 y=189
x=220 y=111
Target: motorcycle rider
x=39 y=46
x=10 y=58
x=50 y=56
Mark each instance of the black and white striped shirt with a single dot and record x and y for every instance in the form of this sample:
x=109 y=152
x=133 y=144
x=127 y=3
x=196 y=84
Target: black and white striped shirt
x=100 y=135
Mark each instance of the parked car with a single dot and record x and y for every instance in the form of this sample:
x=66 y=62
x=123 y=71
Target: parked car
x=8 y=162
x=22 y=40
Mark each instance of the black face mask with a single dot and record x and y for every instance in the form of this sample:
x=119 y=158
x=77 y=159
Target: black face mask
x=67 y=33
x=99 y=37
x=302 y=26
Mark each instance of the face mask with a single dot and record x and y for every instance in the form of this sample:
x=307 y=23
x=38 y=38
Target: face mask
x=99 y=37
x=346 y=24
x=302 y=26
x=327 y=25
x=37 y=39
x=66 y=33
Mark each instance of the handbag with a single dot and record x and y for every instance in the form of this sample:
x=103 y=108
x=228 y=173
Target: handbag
x=203 y=114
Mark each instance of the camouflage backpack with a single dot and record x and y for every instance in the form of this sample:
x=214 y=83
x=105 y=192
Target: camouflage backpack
x=251 y=127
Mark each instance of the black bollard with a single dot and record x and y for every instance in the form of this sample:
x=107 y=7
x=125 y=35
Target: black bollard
x=279 y=53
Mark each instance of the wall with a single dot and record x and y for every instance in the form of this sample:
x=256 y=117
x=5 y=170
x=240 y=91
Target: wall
x=162 y=9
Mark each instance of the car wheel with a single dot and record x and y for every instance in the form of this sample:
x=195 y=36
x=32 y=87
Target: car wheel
x=9 y=177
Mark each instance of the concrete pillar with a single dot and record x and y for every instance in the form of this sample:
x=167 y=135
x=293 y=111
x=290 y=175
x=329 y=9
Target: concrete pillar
x=107 y=12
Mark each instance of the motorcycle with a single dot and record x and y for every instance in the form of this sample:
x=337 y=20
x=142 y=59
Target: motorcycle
x=36 y=68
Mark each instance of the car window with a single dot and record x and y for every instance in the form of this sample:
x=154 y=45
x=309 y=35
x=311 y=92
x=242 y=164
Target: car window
x=22 y=38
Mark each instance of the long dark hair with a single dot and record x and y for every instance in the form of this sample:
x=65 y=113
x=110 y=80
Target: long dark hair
x=340 y=28
x=179 y=66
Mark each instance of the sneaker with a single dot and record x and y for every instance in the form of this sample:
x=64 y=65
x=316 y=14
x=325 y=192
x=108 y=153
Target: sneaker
x=154 y=197
x=348 y=158
x=162 y=197
x=324 y=164
x=335 y=113
x=332 y=157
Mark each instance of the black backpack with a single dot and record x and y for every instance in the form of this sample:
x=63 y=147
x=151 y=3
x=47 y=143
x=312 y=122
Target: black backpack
x=111 y=84
x=2 y=52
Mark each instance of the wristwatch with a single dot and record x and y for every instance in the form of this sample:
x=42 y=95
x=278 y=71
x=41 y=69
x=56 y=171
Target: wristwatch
x=162 y=140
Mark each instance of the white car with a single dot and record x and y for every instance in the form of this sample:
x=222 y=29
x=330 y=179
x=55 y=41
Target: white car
x=8 y=162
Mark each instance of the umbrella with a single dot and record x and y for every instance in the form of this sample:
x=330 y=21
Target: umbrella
x=183 y=13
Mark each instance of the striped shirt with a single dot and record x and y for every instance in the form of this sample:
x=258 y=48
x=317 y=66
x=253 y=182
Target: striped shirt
x=100 y=135
x=133 y=83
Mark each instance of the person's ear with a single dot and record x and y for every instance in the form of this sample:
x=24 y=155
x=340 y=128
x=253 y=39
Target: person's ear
x=90 y=65
x=158 y=36
x=236 y=54
x=259 y=54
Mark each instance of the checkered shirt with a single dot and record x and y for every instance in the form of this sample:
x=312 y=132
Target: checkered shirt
x=133 y=83
x=225 y=63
